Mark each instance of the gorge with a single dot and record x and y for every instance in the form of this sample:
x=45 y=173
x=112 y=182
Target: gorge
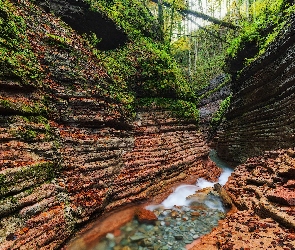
x=73 y=149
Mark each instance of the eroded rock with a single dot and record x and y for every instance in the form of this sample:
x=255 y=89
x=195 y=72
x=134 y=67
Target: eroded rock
x=266 y=217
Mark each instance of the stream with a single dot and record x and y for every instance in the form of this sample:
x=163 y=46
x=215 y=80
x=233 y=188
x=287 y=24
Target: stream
x=186 y=214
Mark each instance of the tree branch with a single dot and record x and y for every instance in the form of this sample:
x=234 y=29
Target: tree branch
x=200 y=15
x=208 y=31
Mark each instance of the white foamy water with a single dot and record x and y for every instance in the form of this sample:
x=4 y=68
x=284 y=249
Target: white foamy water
x=180 y=194
x=202 y=183
x=178 y=197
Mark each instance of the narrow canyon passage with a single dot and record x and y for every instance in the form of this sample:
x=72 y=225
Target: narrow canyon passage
x=189 y=212
x=106 y=114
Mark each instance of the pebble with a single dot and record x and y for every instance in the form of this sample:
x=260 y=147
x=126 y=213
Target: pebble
x=110 y=236
x=178 y=236
x=128 y=229
x=137 y=237
x=175 y=229
x=195 y=236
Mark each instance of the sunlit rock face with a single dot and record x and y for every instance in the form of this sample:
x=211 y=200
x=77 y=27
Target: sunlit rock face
x=261 y=116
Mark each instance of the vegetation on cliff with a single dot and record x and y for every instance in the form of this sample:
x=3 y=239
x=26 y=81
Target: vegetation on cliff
x=258 y=30
x=69 y=147
x=18 y=61
x=144 y=65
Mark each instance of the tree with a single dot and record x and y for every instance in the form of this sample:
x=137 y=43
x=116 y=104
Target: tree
x=160 y=14
x=186 y=11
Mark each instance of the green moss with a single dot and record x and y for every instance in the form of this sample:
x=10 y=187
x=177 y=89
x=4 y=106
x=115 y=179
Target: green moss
x=34 y=127
x=61 y=42
x=34 y=174
x=180 y=108
x=28 y=135
x=17 y=57
x=2 y=179
x=224 y=83
x=3 y=188
x=35 y=108
x=219 y=114
x=5 y=103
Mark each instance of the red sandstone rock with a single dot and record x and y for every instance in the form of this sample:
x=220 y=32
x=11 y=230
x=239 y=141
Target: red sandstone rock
x=258 y=189
x=290 y=184
x=145 y=216
x=282 y=196
x=244 y=230
x=195 y=213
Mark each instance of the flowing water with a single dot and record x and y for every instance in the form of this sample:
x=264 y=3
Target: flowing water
x=188 y=213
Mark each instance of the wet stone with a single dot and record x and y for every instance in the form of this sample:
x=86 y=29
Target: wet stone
x=174 y=229
x=196 y=236
x=137 y=237
x=178 y=236
x=147 y=243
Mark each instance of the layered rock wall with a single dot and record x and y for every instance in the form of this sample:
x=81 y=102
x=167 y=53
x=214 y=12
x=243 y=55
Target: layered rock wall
x=261 y=114
x=259 y=131
x=68 y=153
x=262 y=189
x=101 y=168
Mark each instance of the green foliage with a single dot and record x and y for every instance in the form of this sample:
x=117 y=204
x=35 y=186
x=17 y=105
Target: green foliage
x=17 y=57
x=93 y=39
x=202 y=56
x=219 y=114
x=180 y=108
x=143 y=67
x=268 y=17
x=61 y=42
x=131 y=15
x=146 y=69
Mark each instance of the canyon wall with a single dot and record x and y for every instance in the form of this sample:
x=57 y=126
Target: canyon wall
x=259 y=132
x=69 y=147
x=49 y=192
x=262 y=190
x=261 y=115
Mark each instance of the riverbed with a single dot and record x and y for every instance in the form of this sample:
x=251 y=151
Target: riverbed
x=186 y=214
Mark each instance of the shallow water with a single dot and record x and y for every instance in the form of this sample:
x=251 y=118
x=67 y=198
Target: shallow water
x=182 y=218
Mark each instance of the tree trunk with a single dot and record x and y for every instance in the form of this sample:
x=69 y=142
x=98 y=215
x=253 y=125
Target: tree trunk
x=171 y=23
x=160 y=14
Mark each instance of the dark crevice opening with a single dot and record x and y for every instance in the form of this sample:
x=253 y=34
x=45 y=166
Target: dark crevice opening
x=78 y=15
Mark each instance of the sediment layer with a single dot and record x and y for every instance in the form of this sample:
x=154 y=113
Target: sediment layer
x=262 y=190
x=261 y=114
x=69 y=150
